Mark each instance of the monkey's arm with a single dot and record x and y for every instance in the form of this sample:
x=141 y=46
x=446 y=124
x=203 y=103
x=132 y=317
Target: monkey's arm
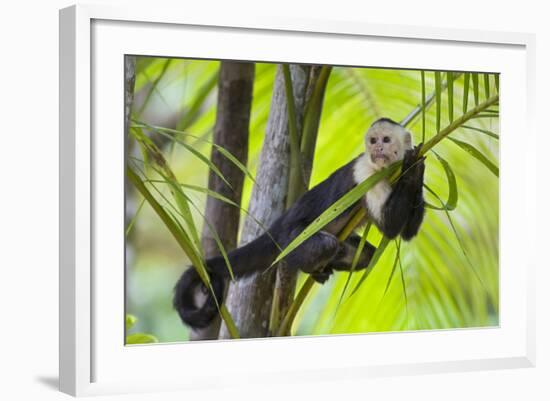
x=403 y=211
x=417 y=212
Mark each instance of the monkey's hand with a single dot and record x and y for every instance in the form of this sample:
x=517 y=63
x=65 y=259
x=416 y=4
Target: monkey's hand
x=413 y=165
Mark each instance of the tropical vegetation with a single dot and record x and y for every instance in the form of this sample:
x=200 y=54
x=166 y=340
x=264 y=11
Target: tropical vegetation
x=447 y=277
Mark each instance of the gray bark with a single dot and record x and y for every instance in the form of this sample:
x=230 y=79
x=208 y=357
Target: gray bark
x=235 y=86
x=249 y=299
x=129 y=82
x=308 y=144
x=285 y=284
x=130 y=202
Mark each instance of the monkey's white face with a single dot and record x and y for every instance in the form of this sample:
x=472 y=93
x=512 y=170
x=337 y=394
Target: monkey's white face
x=386 y=143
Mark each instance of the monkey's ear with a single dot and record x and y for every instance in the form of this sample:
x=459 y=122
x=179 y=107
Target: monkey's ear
x=408 y=140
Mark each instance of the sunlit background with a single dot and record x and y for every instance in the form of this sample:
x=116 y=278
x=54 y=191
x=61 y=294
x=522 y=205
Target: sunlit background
x=447 y=277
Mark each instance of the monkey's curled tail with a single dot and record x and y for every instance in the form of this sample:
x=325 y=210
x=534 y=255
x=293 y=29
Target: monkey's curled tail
x=255 y=256
x=197 y=316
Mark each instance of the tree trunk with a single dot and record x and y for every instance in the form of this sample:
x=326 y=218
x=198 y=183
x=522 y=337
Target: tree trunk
x=285 y=284
x=130 y=206
x=235 y=85
x=249 y=299
x=129 y=82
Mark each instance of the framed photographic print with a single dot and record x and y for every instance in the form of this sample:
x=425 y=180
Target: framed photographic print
x=287 y=199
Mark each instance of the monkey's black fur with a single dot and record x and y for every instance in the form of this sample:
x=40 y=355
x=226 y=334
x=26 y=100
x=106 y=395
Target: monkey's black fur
x=402 y=214
x=403 y=211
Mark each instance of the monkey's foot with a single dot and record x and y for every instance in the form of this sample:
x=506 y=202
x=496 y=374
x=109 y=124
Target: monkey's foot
x=321 y=276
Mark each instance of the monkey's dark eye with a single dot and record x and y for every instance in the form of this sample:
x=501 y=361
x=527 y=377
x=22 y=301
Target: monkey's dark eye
x=373 y=141
x=386 y=139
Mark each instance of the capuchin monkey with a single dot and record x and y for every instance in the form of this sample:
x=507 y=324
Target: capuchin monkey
x=397 y=210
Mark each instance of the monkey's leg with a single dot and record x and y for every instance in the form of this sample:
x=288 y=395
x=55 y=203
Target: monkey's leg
x=316 y=252
x=314 y=255
x=343 y=261
x=344 y=258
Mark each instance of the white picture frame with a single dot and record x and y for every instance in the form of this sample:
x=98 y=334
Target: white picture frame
x=93 y=358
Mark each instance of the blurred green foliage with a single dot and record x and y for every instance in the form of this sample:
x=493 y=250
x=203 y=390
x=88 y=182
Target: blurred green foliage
x=137 y=338
x=446 y=278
